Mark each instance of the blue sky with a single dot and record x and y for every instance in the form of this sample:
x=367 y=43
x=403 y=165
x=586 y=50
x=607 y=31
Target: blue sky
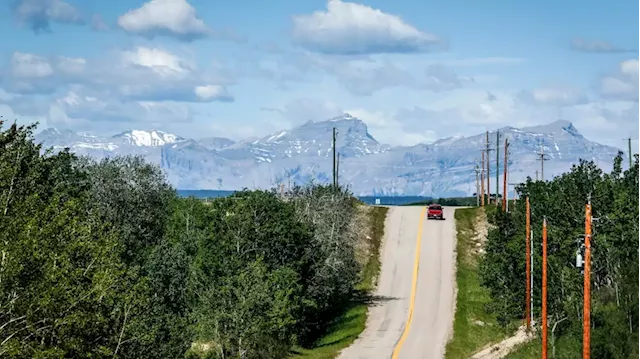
x=414 y=71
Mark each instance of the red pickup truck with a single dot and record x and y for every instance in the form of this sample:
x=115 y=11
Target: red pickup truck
x=435 y=211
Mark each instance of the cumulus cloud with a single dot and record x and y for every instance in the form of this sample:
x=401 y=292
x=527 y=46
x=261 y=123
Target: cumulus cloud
x=366 y=76
x=71 y=65
x=138 y=84
x=351 y=28
x=174 y=18
x=554 y=96
x=213 y=93
x=622 y=85
x=39 y=14
x=596 y=46
x=160 y=62
x=441 y=78
x=29 y=66
x=301 y=110
x=98 y=24
x=77 y=108
x=138 y=74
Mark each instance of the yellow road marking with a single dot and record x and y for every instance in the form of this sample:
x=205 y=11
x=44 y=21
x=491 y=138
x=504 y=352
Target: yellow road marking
x=414 y=285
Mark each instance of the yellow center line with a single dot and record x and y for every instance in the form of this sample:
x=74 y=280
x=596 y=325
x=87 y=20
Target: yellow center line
x=414 y=285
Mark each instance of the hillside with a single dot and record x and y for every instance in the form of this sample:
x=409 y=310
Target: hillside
x=443 y=168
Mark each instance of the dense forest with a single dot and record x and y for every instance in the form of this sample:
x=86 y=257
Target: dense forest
x=614 y=276
x=103 y=259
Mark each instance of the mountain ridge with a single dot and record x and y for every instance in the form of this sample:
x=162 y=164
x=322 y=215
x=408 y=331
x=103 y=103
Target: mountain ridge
x=445 y=167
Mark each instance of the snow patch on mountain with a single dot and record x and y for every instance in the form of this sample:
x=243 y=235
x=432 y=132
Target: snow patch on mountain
x=151 y=138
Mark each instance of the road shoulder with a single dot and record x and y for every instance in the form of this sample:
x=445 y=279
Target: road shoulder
x=473 y=327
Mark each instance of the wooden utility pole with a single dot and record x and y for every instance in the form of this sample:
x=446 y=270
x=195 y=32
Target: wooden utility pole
x=586 y=317
x=515 y=194
x=630 y=152
x=333 y=142
x=528 y=266
x=504 y=176
x=544 y=289
x=542 y=158
x=482 y=181
x=338 y=169
x=477 y=185
x=497 y=167
x=537 y=175
x=488 y=149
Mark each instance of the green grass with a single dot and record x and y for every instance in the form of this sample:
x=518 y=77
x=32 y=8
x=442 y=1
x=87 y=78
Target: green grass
x=469 y=337
x=348 y=326
x=452 y=201
x=566 y=348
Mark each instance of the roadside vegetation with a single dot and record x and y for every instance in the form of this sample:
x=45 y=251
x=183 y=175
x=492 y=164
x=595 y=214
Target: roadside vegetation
x=473 y=327
x=614 y=301
x=103 y=259
x=347 y=326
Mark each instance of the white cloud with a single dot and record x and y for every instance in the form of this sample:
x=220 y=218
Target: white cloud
x=389 y=128
x=366 y=76
x=175 y=18
x=138 y=74
x=29 y=65
x=622 y=85
x=80 y=109
x=301 y=110
x=350 y=28
x=159 y=61
x=71 y=65
x=629 y=68
x=38 y=14
x=441 y=78
x=596 y=46
x=554 y=96
x=212 y=92
x=98 y=24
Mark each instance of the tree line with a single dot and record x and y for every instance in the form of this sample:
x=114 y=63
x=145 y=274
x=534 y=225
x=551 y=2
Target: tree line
x=103 y=259
x=614 y=274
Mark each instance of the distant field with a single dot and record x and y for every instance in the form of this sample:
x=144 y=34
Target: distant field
x=383 y=200
x=453 y=201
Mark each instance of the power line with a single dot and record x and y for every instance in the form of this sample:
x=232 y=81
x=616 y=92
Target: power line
x=497 y=165
x=630 y=151
x=333 y=142
x=482 y=181
x=505 y=202
x=541 y=158
x=337 y=168
x=477 y=185
x=487 y=150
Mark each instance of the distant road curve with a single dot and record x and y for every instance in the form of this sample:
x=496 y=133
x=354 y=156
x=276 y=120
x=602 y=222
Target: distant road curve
x=412 y=314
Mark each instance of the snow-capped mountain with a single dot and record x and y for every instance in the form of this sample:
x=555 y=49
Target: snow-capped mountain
x=446 y=167
x=151 y=138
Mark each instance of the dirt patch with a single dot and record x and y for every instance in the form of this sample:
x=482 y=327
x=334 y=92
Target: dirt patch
x=481 y=229
x=500 y=350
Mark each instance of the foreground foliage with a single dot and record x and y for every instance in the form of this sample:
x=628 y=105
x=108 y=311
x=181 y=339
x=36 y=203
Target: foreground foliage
x=102 y=259
x=343 y=330
x=614 y=317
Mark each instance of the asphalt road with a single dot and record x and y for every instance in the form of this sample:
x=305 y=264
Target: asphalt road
x=412 y=313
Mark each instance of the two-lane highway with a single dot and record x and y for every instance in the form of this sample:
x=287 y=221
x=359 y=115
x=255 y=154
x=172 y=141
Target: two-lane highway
x=414 y=302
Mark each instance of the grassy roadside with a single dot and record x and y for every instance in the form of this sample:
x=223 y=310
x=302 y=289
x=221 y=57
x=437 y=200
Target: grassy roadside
x=473 y=327
x=346 y=327
x=566 y=348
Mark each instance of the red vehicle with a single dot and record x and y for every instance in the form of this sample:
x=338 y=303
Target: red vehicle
x=434 y=211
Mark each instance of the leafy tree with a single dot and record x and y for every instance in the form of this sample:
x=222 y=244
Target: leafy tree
x=614 y=198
